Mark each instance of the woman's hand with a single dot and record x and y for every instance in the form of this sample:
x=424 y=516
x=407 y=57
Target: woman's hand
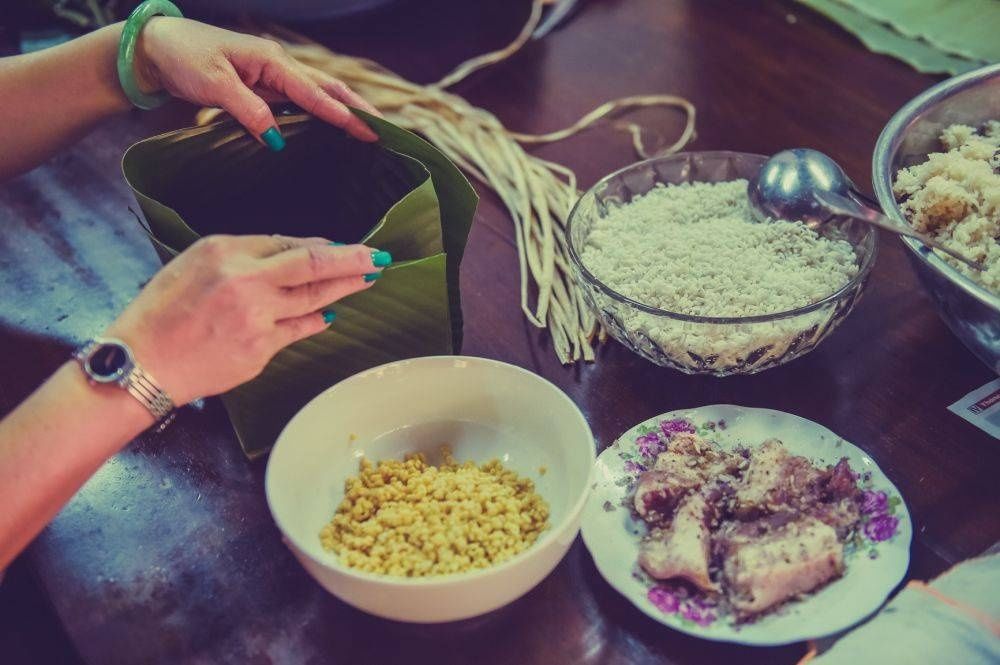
x=216 y=314
x=240 y=73
x=210 y=320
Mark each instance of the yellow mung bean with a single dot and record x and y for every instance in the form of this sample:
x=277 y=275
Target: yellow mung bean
x=409 y=518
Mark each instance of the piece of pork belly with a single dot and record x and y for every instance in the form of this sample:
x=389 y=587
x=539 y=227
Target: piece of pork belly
x=687 y=464
x=775 y=559
x=705 y=456
x=657 y=493
x=842 y=515
x=682 y=549
x=838 y=499
x=840 y=482
x=775 y=480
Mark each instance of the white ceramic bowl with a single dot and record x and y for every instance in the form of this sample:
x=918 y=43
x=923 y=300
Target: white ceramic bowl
x=483 y=409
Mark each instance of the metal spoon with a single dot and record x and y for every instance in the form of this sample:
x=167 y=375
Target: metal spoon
x=806 y=185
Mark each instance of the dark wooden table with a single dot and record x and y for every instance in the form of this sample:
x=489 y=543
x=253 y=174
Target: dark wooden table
x=169 y=554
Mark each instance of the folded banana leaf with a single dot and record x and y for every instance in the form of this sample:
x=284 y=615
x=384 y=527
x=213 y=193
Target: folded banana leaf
x=399 y=194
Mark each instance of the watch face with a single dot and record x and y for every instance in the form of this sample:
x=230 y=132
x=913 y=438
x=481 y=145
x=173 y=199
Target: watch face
x=108 y=361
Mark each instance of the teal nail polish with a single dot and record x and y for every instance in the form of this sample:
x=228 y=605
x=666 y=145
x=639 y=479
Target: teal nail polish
x=372 y=276
x=337 y=244
x=273 y=139
x=381 y=259
x=329 y=316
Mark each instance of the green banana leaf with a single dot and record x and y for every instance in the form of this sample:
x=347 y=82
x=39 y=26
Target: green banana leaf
x=932 y=36
x=399 y=194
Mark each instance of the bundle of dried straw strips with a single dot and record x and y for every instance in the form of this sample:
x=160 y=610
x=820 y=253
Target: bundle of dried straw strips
x=537 y=193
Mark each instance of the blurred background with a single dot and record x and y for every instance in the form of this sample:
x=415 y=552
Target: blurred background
x=932 y=36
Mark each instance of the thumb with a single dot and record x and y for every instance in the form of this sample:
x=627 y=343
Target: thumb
x=253 y=113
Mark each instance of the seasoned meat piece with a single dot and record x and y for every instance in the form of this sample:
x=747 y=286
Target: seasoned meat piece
x=685 y=466
x=776 y=480
x=842 y=515
x=789 y=519
x=681 y=551
x=658 y=492
x=708 y=458
x=840 y=482
x=767 y=562
x=838 y=499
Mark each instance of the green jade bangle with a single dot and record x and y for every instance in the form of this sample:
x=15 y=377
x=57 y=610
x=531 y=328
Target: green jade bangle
x=126 y=51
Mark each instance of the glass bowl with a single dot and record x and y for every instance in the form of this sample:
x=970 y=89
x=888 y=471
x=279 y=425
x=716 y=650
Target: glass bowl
x=721 y=346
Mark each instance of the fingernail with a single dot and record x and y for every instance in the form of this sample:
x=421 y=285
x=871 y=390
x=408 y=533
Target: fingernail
x=381 y=259
x=329 y=315
x=337 y=244
x=372 y=276
x=273 y=139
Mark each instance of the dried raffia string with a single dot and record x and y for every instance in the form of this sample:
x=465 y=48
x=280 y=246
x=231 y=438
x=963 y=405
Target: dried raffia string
x=538 y=194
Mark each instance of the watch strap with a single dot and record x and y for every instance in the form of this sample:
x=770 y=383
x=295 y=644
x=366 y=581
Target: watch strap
x=141 y=386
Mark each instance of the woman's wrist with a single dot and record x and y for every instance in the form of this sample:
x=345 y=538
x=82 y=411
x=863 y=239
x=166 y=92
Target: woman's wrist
x=97 y=421
x=126 y=418
x=134 y=70
x=144 y=68
x=111 y=97
x=145 y=73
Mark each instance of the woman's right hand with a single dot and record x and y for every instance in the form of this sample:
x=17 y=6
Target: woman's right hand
x=214 y=316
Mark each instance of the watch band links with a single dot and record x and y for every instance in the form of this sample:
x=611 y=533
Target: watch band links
x=141 y=385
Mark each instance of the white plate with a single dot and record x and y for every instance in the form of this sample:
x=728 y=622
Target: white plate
x=874 y=568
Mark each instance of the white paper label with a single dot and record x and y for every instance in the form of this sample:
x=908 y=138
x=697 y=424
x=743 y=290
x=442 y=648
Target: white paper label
x=981 y=407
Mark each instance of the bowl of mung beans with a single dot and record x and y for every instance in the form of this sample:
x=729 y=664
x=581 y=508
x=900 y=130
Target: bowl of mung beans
x=434 y=489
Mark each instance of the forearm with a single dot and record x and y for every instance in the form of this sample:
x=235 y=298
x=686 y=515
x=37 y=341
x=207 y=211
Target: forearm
x=51 y=444
x=51 y=98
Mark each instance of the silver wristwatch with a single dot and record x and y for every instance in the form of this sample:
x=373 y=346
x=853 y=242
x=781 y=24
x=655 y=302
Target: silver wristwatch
x=106 y=360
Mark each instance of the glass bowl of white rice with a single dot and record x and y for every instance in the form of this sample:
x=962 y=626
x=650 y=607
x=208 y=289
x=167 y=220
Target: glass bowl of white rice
x=670 y=259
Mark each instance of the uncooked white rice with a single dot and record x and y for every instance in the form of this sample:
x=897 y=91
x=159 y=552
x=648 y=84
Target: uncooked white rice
x=695 y=249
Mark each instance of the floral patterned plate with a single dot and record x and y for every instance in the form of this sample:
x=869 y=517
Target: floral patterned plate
x=876 y=558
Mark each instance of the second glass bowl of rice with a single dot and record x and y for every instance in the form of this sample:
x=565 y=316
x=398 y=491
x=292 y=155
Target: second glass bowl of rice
x=668 y=258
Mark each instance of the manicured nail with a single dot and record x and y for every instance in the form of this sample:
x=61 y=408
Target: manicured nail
x=329 y=315
x=372 y=276
x=381 y=259
x=273 y=139
x=337 y=244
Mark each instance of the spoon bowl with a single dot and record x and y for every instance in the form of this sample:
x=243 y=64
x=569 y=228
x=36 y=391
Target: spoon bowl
x=785 y=187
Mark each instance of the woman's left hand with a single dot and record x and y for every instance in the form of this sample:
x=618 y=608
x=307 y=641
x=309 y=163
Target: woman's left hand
x=240 y=73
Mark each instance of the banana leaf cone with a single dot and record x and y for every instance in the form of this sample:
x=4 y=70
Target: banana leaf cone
x=399 y=194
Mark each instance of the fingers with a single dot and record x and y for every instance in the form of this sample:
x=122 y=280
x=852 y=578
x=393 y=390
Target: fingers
x=289 y=331
x=300 y=300
x=250 y=111
x=318 y=263
x=340 y=90
x=261 y=246
x=277 y=243
x=314 y=99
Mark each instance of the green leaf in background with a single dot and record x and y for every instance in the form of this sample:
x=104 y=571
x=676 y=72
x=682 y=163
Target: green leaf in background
x=399 y=194
x=932 y=36
x=964 y=28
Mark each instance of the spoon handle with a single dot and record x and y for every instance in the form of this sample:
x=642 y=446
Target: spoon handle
x=841 y=205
